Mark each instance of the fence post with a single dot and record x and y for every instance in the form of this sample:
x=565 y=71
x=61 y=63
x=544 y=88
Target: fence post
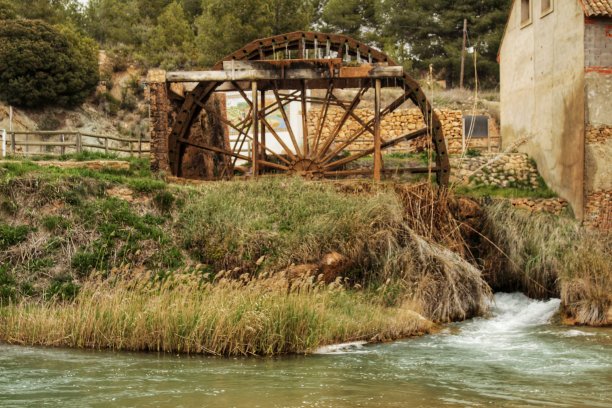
x=79 y=142
x=63 y=148
x=139 y=145
x=3 y=143
x=27 y=146
x=106 y=145
x=13 y=143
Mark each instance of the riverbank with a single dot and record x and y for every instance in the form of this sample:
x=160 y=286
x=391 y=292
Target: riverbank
x=118 y=258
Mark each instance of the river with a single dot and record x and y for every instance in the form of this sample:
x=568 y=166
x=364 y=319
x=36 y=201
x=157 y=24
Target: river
x=516 y=357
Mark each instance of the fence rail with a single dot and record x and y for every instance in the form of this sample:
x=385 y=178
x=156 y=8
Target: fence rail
x=35 y=143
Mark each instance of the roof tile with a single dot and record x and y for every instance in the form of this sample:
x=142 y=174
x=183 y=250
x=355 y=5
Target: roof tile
x=597 y=8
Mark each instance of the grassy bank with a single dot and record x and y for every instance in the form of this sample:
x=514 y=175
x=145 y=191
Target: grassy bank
x=226 y=317
x=67 y=234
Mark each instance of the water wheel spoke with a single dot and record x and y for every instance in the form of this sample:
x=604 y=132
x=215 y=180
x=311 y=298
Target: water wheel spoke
x=323 y=117
x=286 y=119
x=213 y=149
x=330 y=139
x=367 y=126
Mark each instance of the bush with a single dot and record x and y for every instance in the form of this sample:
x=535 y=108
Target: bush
x=42 y=65
x=10 y=236
x=63 y=288
x=8 y=285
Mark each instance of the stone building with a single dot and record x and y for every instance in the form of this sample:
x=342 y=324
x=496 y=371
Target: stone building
x=556 y=82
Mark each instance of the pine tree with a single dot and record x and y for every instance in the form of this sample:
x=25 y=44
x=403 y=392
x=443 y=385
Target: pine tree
x=171 y=44
x=431 y=32
x=226 y=25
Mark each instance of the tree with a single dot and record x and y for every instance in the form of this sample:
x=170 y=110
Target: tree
x=431 y=31
x=226 y=25
x=113 y=22
x=45 y=66
x=51 y=11
x=355 y=18
x=172 y=40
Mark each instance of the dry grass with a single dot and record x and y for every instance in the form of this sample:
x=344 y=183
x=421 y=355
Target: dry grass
x=586 y=279
x=263 y=316
x=544 y=255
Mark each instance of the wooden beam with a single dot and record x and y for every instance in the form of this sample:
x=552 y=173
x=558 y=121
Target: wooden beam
x=255 y=148
x=273 y=73
x=377 y=143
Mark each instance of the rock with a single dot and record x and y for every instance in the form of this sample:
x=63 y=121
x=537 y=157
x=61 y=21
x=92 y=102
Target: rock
x=333 y=265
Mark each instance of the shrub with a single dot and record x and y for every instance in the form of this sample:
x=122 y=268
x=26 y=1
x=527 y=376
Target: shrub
x=63 y=288
x=10 y=236
x=164 y=201
x=8 y=290
x=42 y=65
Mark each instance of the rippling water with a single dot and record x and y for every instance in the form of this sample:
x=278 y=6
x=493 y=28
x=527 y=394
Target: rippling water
x=514 y=358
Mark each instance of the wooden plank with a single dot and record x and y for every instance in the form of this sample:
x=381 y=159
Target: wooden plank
x=255 y=110
x=367 y=71
x=377 y=143
x=58 y=144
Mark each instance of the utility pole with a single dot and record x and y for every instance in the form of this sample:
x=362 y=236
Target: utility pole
x=463 y=53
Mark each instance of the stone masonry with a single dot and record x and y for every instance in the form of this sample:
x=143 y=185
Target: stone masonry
x=401 y=122
x=502 y=170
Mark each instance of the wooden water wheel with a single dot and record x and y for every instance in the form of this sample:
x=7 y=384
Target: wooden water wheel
x=308 y=69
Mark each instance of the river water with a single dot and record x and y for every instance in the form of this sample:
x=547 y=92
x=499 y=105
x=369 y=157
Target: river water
x=514 y=358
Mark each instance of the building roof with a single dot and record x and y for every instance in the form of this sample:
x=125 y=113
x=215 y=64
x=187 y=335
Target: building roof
x=597 y=8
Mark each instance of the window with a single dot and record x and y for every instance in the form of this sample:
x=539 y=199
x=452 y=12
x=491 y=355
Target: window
x=525 y=12
x=547 y=7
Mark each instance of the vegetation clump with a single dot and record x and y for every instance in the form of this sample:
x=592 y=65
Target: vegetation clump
x=42 y=65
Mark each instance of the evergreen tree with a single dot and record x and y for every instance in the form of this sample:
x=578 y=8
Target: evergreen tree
x=226 y=25
x=355 y=18
x=431 y=32
x=171 y=44
x=113 y=22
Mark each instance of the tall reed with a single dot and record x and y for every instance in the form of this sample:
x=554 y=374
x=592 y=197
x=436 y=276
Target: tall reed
x=262 y=316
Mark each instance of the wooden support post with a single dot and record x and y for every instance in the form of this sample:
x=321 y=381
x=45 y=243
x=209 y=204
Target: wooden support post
x=12 y=143
x=63 y=148
x=139 y=145
x=463 y=53
x=305 y=147
x=255 y=147
x=79 y=142
x=377 y=141
x=106 y=145
x=262 y=130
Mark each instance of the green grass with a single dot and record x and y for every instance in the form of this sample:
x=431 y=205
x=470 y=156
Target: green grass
x=504 y=192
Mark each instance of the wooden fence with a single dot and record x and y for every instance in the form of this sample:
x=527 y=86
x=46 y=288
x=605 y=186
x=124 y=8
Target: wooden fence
x=32 y=143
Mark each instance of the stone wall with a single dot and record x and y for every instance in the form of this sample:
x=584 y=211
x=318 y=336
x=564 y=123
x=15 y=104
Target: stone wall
x=206 y=129
x=499 y=170
x=598 y=177
x=556 y=206
x=399 y=123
